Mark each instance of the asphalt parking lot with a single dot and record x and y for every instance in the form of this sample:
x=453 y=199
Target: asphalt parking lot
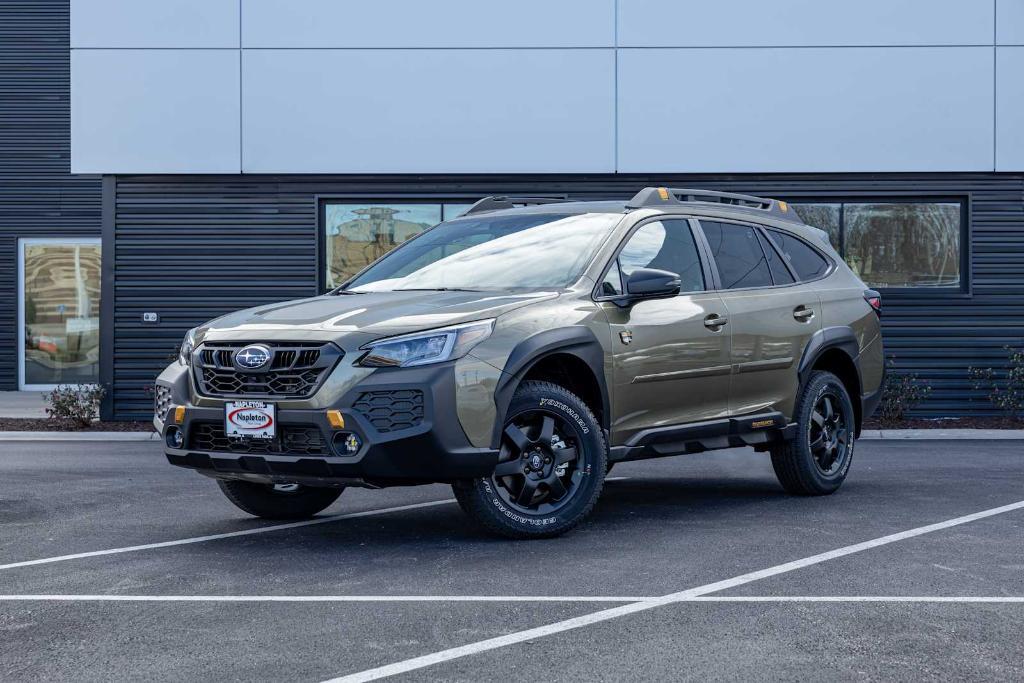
x=116 y=566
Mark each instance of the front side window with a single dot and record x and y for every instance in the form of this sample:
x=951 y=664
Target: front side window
x=525 y=251
x=894 y=243
x=738 y=254
x=663 y=245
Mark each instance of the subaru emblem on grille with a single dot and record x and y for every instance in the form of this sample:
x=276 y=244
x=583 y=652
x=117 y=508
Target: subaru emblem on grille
x=252 y=357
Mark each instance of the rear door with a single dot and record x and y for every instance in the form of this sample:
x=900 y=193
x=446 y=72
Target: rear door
x=671 y=362
x=771 y=315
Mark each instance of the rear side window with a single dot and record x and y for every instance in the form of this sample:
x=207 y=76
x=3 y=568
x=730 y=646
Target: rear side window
x=738 y=254
x=780 y=273
x=805 y=262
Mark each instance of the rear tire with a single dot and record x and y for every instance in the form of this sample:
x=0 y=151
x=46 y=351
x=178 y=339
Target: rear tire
x=551 y=467
x=268 y=502
x=817 y=460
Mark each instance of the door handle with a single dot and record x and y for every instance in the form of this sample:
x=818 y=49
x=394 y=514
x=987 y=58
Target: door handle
x=714 y=322
x=803 y=314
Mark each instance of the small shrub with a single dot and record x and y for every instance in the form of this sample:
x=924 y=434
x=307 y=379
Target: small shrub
x=901 y=393
x=80 y=404
x=1005 y=393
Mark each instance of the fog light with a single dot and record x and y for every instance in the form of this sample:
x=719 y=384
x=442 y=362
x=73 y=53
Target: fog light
x=175 y=439
x=347 y=443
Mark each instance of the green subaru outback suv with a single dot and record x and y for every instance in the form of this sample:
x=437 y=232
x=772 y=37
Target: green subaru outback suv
x=519 y=351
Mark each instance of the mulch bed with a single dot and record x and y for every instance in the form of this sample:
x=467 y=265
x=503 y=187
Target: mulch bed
x=45 y=424
x=949 y=423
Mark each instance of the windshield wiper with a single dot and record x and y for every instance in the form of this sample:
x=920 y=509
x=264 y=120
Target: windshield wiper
x=435 y=289
x=346 y=292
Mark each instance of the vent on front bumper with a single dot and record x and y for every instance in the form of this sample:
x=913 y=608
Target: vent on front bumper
x=161 y=400
x=295 y=370
x=292 y=440
x=390 y=411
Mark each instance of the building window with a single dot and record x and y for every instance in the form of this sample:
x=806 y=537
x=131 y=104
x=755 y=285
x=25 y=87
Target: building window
x=357 y=234
x=59 y=312
x=894 y=244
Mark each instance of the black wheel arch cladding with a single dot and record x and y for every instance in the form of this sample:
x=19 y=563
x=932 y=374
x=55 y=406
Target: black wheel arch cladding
x=577 y=341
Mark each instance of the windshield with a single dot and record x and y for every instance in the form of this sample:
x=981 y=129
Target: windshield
x=526 y=251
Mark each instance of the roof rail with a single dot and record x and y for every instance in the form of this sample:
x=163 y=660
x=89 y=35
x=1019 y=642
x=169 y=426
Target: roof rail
x=659 y=196
x=498 y=203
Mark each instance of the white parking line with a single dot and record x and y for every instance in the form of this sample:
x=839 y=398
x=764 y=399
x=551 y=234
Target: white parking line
x=652 y=603
x=322 y=598
x=858 y=598
x=233 y=534
x=229 y=534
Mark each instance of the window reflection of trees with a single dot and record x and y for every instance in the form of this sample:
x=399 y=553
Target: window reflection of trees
x=894 y=244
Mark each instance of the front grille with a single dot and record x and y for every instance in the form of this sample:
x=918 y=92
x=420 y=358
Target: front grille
x=389 y=411
x=296 y=369
x=161 y=400
x=291 y=440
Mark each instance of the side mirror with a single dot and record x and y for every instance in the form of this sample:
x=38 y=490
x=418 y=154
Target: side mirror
x=651 y=283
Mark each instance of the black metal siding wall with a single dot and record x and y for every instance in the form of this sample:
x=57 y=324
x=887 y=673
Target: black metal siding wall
x=38 y=195
x=191 y=248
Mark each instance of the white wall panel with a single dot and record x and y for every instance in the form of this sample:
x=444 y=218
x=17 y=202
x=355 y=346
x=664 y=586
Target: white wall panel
x=1010 y=109
x=433 y=23
x=1010 y=22
x=672 y=23
x=789 y=110
x=154 y=23
x=154 y=111
x=428 y=111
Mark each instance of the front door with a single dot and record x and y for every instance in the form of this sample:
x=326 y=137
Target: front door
x=772 y=317
x=671 y=362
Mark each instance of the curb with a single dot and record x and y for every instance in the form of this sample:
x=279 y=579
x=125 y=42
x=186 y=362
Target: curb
x=943 y=434
x=79 y=436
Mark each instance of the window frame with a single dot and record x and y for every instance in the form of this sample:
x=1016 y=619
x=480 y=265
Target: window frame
x=710 y=275
x=59 y=240
x=965 y=288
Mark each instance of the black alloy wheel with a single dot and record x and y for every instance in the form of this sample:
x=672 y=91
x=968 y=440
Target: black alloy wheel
x=539 y=464
x=830 y=433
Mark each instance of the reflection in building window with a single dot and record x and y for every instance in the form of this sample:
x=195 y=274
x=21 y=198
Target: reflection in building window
x=61 y=309
x=896 y=243
x=359 y=234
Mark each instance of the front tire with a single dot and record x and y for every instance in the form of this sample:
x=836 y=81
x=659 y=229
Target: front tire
x=816 y=462
x=278 y=501
x=550 y=469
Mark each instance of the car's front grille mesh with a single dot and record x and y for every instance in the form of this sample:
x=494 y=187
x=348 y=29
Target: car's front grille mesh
x=161 y=400
x=296 y=370
x=390 y=411
x=291 y=440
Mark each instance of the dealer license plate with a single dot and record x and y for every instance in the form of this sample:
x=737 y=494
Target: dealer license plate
x=250 y=419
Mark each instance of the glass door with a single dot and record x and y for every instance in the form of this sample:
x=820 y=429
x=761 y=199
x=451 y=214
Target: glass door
x=58 y=312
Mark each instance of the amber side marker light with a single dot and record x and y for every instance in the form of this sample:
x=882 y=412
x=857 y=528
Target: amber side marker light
x=663 y=193
x=179 y=414
x=336 y=419
x=783 y=206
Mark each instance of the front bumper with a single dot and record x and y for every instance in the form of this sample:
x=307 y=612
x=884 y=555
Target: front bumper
x=425 y=446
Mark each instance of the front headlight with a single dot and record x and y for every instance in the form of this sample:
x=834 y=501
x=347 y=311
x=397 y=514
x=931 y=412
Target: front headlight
x=188 y=344
x=423 y=348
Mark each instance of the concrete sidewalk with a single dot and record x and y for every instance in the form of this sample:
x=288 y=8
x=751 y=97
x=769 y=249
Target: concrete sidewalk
x=22 y=404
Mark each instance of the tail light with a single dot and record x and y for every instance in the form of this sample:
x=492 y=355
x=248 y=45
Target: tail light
x=874 y=300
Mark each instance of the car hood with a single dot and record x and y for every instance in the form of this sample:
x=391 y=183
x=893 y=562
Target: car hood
x=369 y=315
